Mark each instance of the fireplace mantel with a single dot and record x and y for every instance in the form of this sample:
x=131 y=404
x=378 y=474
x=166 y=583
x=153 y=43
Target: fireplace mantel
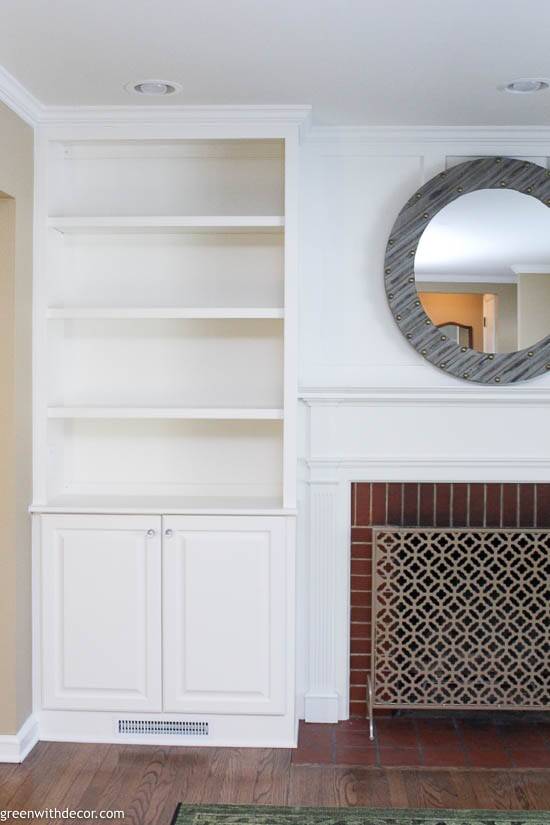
x=385 y=434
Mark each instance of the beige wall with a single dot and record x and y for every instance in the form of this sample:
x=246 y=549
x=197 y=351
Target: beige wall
x=16 y=203
x=506 y=307
x=446 y=308
x=533 y=308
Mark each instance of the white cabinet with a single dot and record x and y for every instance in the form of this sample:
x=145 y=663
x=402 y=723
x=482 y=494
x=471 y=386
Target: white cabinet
x=101 y=612
x=227 y=584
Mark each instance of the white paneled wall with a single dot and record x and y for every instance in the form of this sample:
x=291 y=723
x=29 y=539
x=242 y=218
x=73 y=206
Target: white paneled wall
x=373 y=410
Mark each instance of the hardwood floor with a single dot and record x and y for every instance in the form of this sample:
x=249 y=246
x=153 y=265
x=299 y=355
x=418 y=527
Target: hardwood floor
x=148 y=782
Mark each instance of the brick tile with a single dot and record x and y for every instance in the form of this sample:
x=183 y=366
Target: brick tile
x=361 y=614
x=354 y=737
x=394 y=504
x=358 y=677
x=353 y=724
x=361 y=567
x=426 y=516
x=361 y=583
x=400 y=757
x=443 y=505
x=530 y=758
x=522 y=736
x=543 y=505
x=361 y=550
x=488 y=758
x=399 y=733
x=437 y=732
x=312 y=756
x=356 y=756
x=379 y=498
x=359 y=599
x=360 y=662
x=312 y=734
x=361 y=534
x=492 y=514
x=459 y=509
x=360 y=645
x=358 y=693
x=527 y=505
x=509 y=505
x=477 y=505
x=444 y=757
x=410 y=505
x=480 y=734
x=358 y=709
x=362 y=504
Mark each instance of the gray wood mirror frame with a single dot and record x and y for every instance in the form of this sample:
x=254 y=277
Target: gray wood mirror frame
x=401 y=284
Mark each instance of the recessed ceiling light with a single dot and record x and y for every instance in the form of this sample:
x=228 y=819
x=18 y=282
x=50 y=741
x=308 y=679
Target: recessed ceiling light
x=526 y=85
x=153 y=88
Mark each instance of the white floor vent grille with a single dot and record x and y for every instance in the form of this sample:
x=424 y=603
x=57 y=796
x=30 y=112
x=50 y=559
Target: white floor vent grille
x=148 y=727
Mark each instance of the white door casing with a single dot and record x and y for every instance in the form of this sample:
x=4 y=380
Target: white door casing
x=224 y=614
x=101 y=612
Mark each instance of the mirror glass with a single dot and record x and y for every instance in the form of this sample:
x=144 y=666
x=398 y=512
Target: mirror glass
x=482 y=270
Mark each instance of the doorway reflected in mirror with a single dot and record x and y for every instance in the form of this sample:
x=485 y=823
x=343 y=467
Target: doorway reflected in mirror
x=483 y=263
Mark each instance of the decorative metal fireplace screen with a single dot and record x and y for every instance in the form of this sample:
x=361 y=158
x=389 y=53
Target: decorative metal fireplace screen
x=460 y=619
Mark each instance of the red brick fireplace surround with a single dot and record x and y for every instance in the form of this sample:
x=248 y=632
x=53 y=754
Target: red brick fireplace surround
x=423 y=505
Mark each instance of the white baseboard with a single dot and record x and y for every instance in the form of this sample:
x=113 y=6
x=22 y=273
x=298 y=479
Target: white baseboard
x=16 y=747
x=321 y=707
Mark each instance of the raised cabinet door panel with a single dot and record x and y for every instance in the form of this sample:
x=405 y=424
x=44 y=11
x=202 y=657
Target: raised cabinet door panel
x=101 y=612
x=225 y=614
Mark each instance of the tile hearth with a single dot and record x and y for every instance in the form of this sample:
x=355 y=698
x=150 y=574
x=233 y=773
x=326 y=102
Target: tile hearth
x=427 y=742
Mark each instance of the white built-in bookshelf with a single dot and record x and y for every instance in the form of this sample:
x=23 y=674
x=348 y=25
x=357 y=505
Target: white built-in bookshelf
x=164 y=323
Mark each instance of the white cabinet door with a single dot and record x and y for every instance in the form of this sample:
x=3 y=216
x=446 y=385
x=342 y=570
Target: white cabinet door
x=225 y=614
x=101 y=612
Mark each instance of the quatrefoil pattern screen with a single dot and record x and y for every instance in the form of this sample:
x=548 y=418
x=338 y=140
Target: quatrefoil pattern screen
x=461 y=618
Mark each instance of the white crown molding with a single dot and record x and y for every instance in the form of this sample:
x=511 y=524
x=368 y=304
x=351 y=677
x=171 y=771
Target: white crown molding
x=490 y=136
x=531 y=269
x=33 y=112
x=208 y=115
x=417 y=396
x=16 y=747
x=18 y=99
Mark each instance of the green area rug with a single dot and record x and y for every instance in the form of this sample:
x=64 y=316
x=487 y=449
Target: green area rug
x=266 y=815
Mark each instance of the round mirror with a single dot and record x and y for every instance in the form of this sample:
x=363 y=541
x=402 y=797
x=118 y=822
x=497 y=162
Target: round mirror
x=482 y=270
x=468 y=270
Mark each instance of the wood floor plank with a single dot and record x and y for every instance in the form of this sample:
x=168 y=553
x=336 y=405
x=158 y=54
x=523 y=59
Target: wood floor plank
x=431 y=789
x=362 y=787
x=313 y=785
x=272 y=777
x=147 y=782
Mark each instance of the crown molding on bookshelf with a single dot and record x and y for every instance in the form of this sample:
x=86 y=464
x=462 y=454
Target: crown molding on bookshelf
x=18 y=99
x=498 y=138
x=33 y=112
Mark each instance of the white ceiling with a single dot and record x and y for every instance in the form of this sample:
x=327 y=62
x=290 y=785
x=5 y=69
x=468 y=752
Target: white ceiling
x=485 y=236
x=377 y=62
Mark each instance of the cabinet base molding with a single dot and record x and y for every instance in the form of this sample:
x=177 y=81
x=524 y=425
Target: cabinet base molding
x=223 y=731
x=16 y=747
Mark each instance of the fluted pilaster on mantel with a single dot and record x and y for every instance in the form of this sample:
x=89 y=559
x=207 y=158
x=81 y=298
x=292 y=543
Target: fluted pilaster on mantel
x=321 y=699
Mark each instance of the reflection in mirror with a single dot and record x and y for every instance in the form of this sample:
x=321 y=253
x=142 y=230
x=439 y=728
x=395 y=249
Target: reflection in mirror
x=482 y=270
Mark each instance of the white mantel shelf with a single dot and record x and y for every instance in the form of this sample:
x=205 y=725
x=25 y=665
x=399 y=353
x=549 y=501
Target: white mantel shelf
x=449 y=396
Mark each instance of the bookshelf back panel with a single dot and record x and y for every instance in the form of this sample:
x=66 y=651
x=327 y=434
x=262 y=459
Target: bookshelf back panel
x=171 y=178
x=192 y=458
x=167 y=363
x=188 y=269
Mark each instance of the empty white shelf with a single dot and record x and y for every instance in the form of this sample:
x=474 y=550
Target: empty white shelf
x=190 y=413
x=162 y=505
x=165 y=222
x=203 y=313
